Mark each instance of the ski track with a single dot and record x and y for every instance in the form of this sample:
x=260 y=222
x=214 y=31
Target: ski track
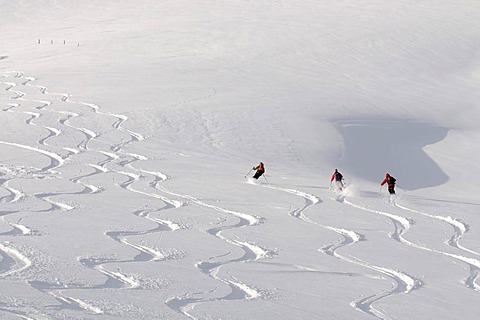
x=146 y=253
x=402 y=225
x=56 y=160
x=115 y=279
x=131 y=177
x=17 y=314
x=53 y=132
x=310 y=200
x=14 y=196
x=17 y=228
x=14 y=262
x=403 y=283
x=251 y=253
x=249 y=219
x=66 y=302
x=55 y=205
x=120 y=120
x=459 y=230
x=89 y=134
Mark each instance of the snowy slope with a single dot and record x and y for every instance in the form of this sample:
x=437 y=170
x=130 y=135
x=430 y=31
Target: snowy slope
x=127 y=130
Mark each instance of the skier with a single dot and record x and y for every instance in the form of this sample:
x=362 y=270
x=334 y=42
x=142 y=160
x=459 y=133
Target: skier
x=260 y=170
x=338 y=180
x=390 y=181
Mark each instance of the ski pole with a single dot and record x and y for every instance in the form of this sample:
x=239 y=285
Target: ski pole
x=401 y=187
x=265 y=178
x=248 y=172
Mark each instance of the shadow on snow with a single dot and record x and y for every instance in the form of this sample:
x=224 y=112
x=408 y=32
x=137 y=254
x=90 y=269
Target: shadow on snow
x=374 y=147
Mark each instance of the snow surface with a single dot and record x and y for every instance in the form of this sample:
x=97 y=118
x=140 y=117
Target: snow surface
x=127 y=129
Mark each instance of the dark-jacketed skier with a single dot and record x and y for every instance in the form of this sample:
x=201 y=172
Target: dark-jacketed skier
x=338 y=177
x=390 y=181
x=260 y=170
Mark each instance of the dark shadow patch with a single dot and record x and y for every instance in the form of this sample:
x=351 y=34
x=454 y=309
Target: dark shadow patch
x=3 y=57
x=372 y=148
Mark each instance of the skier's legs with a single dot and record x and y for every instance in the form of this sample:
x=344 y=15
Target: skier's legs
x=258 y=174
x=391 y=189
x=339 y=185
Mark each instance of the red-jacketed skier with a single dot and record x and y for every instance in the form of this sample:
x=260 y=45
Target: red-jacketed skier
x=390 y=181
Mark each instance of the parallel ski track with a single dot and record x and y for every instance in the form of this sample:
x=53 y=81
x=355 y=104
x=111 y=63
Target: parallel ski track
x=115 y=279
x=404 y=283
x=459 y=230
x=239 y=290
x=252 y=252
x=56 y=162
x=402 y=225
x=133 y=175
x=13 y=261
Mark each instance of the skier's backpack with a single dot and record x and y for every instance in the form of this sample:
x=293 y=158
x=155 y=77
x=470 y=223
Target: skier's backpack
x=338 y=176
x=391 y=180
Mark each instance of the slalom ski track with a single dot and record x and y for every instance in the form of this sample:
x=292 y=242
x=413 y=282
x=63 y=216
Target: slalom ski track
x=310 y=200
x=248 y=219
x=82 y=146
x=402 y=225
x=121 y=119
x=57 y=289
x=148 y=253
x=252 y=252
x=123 y=163
x=459 y=228
x=403 y=283
x=14 y=196
x=61 y=137
x=56 y=160
x=13 y=262
x=60 y=129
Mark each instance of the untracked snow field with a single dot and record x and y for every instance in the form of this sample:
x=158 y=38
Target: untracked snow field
x=128 y=130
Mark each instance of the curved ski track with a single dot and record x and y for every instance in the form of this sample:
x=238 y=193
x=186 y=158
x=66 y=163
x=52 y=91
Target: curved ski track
x=404 y=283
x=119 y=162
x=402 y=225
x=251 y=252
x=459 y=230
x=115 y=279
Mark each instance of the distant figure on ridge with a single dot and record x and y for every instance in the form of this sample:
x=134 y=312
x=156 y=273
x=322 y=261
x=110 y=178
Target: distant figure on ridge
x=260 y=170
x=338 y=177
x=390 y=181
